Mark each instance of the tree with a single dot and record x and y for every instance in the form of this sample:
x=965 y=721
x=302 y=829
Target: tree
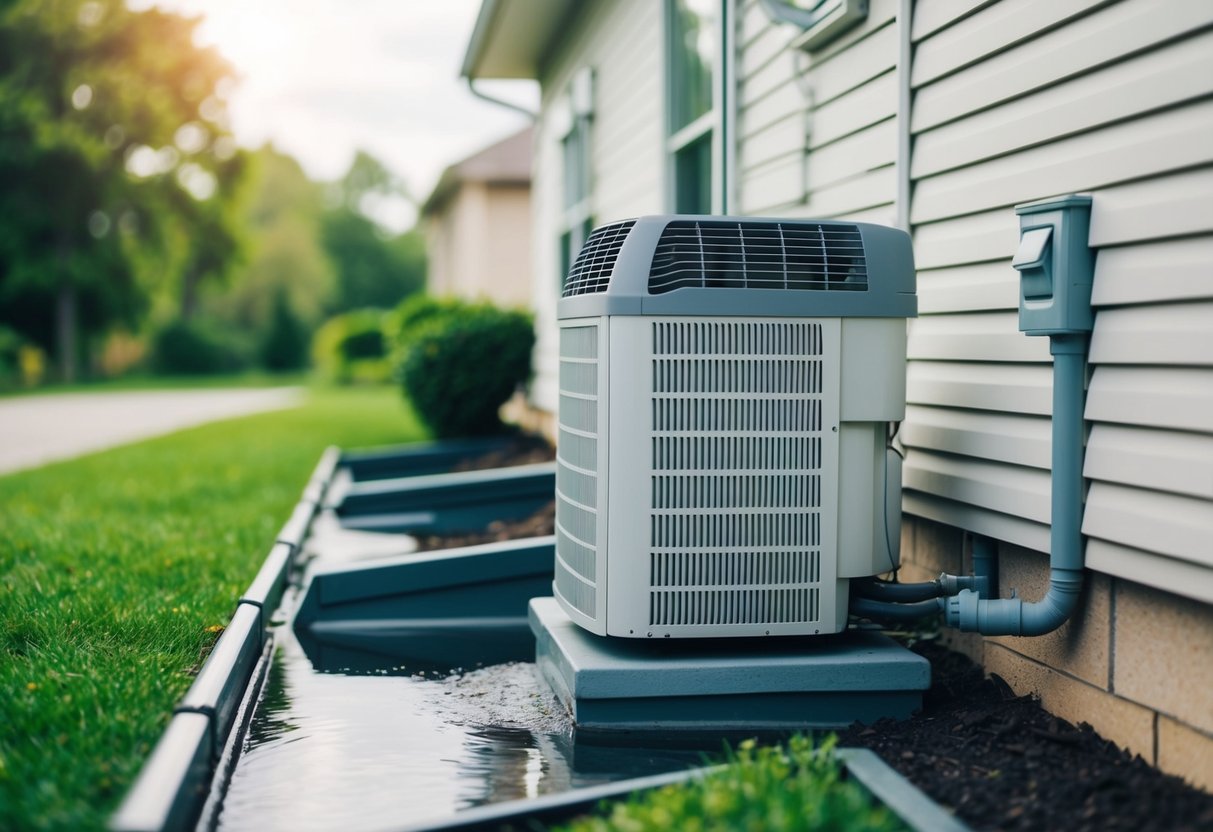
x=110 y=141
x=374 y=268
x=282 y=215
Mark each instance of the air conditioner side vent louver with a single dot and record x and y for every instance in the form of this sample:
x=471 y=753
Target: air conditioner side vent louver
x=759 y=255
x=591 y=271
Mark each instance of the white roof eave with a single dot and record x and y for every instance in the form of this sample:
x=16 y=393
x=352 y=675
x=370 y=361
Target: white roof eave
x=511 y=37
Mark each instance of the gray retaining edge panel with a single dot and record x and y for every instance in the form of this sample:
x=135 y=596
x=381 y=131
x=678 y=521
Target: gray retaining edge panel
x=491 y=579
x=901 y=796
x=418 y=458
x=431 y=491
x=905 y=799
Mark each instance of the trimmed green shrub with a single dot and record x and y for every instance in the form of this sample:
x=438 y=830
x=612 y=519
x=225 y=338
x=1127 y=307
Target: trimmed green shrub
x=774 y=789
x=352 y=348
x=198 y=347
x=402 y=324
x=463 y=362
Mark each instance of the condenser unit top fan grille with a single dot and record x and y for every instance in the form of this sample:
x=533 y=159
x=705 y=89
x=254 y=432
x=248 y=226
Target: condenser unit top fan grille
x=758 y=255
x=705 y=265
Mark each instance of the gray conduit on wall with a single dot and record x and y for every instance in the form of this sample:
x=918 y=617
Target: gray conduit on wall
x=1057 y=271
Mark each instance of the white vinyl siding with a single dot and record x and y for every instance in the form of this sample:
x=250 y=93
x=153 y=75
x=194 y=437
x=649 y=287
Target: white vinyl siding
x=621 y=41
x=817 y=132
x=1015 y=102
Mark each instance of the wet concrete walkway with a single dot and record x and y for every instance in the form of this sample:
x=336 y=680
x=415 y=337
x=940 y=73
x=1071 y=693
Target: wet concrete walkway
x=35 y=430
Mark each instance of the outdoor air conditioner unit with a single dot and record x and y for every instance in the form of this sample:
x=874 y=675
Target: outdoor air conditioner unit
x=726 y=385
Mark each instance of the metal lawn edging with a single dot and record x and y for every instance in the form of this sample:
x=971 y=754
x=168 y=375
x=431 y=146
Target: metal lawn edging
x=176 y=778
x=178 y=775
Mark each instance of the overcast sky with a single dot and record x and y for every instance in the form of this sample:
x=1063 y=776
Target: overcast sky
x=323 y=78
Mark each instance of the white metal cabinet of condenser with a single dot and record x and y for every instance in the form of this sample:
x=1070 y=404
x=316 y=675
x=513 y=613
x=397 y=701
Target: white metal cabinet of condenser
x=726 y=388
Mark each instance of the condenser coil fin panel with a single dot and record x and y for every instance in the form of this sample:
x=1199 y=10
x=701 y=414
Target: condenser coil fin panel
x=578 y=528
x=737 y=518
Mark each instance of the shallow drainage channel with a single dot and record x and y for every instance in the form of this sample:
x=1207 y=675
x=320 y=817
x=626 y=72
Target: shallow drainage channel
x=378 y=748
x=388 y=689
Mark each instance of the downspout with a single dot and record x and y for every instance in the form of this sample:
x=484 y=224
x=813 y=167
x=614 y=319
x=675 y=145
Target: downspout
x=905 y=100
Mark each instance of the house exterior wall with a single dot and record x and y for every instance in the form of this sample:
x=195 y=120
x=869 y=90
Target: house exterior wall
x=1009 y=102
x=1017 y=102
x=621 y=41
x=478 y=244
x=817 y=133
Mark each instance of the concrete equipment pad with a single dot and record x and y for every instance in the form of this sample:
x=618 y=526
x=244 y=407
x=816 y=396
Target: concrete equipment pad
x=736 y=684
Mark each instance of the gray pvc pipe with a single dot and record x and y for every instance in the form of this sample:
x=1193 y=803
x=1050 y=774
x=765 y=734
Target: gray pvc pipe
x=1012 y=616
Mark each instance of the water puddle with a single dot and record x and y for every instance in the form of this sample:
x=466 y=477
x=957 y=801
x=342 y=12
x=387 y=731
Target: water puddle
x=368 y=743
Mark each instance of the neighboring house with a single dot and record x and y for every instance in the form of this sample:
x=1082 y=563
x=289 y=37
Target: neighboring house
x=940 y=116
x=477 y=225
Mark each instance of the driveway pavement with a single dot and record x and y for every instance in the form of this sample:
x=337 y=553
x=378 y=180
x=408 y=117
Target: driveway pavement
x=35 y=430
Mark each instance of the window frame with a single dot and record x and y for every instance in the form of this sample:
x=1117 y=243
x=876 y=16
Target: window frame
x=716 y=124
x=576 y=215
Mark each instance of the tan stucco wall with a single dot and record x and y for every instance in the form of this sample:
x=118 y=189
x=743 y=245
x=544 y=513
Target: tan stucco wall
x=479 y=244
x=1135 y=663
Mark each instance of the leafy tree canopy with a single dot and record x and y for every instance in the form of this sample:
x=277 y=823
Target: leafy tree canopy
x=115 y=161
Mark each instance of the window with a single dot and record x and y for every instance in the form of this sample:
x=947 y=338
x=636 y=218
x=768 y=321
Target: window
x=695 y=93
x=576 y=218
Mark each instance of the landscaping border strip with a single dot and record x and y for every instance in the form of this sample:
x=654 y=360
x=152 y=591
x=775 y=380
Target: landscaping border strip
x=220 y=684
x=905 y=799
x=265 y=592
x=174 y=779
x=420 y=458
x=881 y=781
x=552 y=808
x=225 y=766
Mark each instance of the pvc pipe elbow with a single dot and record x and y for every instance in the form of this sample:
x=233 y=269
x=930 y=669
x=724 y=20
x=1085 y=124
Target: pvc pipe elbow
x=1012 y=616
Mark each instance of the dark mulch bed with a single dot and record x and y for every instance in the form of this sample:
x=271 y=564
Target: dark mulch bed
x=1000 y=761
x=526 y=449
x=542 y=522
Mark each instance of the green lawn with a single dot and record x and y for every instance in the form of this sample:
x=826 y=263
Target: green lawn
x=116 y=568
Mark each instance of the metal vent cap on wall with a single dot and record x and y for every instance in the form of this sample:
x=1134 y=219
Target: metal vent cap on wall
x=704 y=265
